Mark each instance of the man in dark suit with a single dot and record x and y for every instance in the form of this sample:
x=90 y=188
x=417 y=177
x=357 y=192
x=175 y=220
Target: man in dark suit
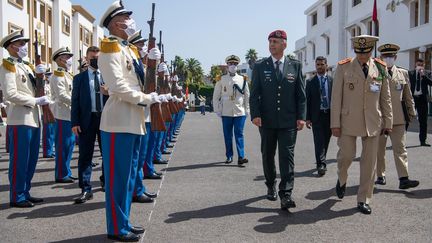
x=278 y=108
x=420 y=79
x=88 y=98
x=318 y=95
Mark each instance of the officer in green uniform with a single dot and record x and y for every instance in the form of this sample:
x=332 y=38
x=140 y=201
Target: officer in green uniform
x=278 y=108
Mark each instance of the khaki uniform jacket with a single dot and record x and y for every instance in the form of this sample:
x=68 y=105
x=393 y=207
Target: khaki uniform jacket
x=61 y=94
x=355 y=107
x=400 y=90
x=19 y=93
x=228 y=100
x=121 y=113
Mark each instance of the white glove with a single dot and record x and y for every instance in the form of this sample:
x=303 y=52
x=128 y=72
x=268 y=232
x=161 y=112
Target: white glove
x=40 y=69
x=154 y=54
x=180 y=100
x=168 y=96
x=175 y=79
x=154 y=98
x=162 y=68
x=163 y=98
x=3 y=105
x=219 y=113
x=44 y=100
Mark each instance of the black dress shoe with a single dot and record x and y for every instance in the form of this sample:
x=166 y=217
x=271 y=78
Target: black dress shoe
x=173 y=140
x=23 y=204
x=93 y=164
x=51 y=156
x=424 y=144
x=170 y=146
x=65 y=180
x=151 y=194
x=271 y=193
x=142 y=199
x=84 y=197
x=166 y=152
x=340 y=190
x=35 y=199
x=137 y=230
x=160 y=162
x=364 y=208
x=287 y=202
x=321 y=169
x=158 y=173
x=381 y=180
x=228 y=161
x=405 y=183
x=130 y=237
x=153 y=177
x=73 y=178
x=242 y=161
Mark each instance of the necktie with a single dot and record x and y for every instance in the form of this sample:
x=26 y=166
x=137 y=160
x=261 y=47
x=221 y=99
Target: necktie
x=278 y=72
x=324 y=102
x=365 y=70
x=97 y=92
x=418 y=82
x=390 y=73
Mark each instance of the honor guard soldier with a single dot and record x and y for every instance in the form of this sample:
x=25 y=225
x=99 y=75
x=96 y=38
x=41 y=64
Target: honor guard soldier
x=231 y=102
x=403 y=112
x=18 y=83
x=122 y=123
x=278 y=108
x=61 y=92
x=140 y=195
x=360 y=107
x=48 y=132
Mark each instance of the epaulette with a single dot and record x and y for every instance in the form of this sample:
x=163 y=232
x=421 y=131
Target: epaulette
x=218 y=77
x=134 y=50
x=377 y=60
x=110 y=46
x=9 y=65
x=293 y=58
x=32 y=67
x=345 y=61
x=59 y=73
x=245 y=77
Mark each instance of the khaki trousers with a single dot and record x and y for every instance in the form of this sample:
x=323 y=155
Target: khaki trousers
x=345 y=155
x=398 y=138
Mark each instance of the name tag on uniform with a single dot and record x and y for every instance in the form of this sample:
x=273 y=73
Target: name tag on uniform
x=267 y=75
x=398 y=87
x=375 y=88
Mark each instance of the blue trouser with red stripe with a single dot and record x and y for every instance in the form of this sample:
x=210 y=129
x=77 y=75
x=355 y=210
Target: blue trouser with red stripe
x=139 y=185
x=24 y=142
x=64 y=143
x=165 y=137
x=160 y=140
x=48 y=136
x=237 y=123
x=172 y=127
x=181 y=118
x=120 y=154
x=148 y=167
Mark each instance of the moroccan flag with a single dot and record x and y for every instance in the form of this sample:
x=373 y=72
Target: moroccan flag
x=187 y=92
x=375 y=18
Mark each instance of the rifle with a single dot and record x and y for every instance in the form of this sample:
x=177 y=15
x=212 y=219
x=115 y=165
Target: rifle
x=163 y=84
x=157 y=121
x=47 y=115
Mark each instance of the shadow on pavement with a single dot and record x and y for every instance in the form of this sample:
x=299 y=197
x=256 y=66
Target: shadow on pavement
x=58 y=210
x=236 y=208
x=200 y=166
x=325 y=194
x=91 y=238
x=278 y=223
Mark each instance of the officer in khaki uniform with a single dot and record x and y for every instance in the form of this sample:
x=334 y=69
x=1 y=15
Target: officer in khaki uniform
x=123 y=121
x=403 y=111
x=231 y=102
x=360 y=107
x=61 y=93
x=18 y=83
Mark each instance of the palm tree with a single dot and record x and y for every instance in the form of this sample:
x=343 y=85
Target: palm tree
x=251 y=57
x=194 y=70
x=180 y=67
x=215 y=73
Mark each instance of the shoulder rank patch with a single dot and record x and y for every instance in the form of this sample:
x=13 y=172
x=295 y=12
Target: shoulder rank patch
x=9 y=65
x=134 y=50
x=109 y=46
x=345 y=61
x=59 y=73
x=377 y=60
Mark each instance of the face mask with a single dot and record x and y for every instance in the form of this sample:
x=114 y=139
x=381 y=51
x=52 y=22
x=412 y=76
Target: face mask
x=69 y=63
x=390 y=61
x=22 y=51
x=232 y=69
x=130 y=27
x=94 y=63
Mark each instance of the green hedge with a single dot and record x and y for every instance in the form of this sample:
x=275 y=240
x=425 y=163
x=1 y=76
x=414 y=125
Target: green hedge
x=203 y=90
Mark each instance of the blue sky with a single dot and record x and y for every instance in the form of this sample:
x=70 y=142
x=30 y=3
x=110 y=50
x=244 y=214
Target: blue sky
x=211 y=30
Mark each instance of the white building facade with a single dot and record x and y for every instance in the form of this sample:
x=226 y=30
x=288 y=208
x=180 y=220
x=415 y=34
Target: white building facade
x=332 y=23
x=55 y=23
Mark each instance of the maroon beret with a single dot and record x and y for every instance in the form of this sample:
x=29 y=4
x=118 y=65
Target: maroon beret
x=280 y=34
